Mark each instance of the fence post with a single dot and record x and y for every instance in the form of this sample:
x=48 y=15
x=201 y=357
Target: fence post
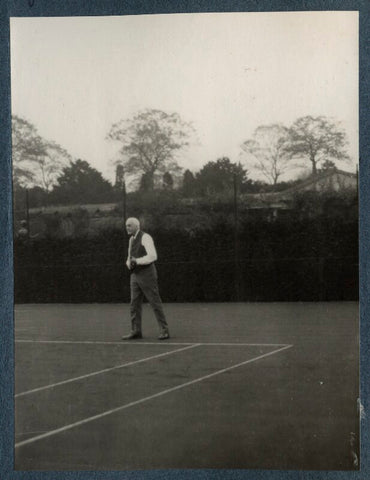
x=236 y=242
x=124 y=201
x=321 y=279
x=28 y=215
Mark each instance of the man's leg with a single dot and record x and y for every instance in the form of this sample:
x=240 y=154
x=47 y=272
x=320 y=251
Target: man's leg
x=149 y=286
x=135 y=308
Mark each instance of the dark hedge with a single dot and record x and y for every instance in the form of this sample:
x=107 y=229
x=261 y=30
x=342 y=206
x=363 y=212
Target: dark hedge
x=286 y=260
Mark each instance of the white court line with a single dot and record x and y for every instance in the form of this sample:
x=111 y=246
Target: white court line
x=90 y=342
x=189 y=345
x=105 y=370
x=142 y=400
x=140 y=342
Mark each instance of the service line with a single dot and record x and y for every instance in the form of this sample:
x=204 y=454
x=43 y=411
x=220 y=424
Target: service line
x=105 y=370
x=145 y=399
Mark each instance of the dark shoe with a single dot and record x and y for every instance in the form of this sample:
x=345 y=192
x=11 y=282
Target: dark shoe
x=132 y=336
x=164 y=336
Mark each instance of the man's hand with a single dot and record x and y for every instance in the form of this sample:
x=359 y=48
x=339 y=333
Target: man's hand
x=132 y=262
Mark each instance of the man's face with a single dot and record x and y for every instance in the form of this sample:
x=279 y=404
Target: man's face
x=131 y=228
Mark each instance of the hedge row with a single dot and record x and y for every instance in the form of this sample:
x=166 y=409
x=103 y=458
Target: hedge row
x=285 y=260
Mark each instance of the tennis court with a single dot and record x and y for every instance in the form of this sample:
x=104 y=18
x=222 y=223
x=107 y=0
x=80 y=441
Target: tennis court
x=238 y=385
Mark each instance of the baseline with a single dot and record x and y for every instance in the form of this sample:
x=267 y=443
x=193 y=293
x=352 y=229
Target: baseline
x=140 y=342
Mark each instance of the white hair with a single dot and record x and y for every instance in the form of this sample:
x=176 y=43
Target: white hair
x=134 y=220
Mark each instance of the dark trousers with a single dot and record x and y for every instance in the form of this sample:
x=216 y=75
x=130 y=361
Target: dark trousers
x=145 y=283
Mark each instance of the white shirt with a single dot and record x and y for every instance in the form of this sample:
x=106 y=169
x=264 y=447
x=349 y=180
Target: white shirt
x=148 y=244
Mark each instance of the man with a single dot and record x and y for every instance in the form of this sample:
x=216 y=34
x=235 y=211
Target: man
x=143 y=280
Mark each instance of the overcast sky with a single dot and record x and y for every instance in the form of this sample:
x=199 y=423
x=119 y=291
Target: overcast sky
x=73 y=77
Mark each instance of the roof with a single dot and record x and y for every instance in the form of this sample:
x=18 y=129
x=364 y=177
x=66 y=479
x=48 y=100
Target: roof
x=312 y=180
x=315 y=178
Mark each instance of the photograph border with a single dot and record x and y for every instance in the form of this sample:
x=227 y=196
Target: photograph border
x=49 y=8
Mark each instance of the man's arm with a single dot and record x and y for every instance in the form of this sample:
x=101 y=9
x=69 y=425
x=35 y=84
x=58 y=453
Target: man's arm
x=128 y=262
x=151 y=253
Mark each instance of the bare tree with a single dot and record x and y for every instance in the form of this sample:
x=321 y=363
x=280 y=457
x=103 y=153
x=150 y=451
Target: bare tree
x=36 y=161
x=268 y=151
x=51 y=163
x=317 y=139
x=150 y=141
x=23 y=134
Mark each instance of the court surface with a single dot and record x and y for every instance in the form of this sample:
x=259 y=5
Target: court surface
x=238 y=385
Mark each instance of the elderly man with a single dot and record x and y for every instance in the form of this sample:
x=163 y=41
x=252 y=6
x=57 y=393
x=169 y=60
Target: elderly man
x=143 y=280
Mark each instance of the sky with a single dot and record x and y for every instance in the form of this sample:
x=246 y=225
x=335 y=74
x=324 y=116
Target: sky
x=227 y=73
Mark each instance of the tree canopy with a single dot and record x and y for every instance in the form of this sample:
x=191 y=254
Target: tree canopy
x=150 y=141
x=317 y=139
x=167 y=181
x=188 y=188
x=80 y=183
x=219 y=176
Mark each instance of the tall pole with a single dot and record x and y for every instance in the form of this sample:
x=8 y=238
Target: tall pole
x=236 y=241
x=124 y=201
x=27 y=214
x=125 y=240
